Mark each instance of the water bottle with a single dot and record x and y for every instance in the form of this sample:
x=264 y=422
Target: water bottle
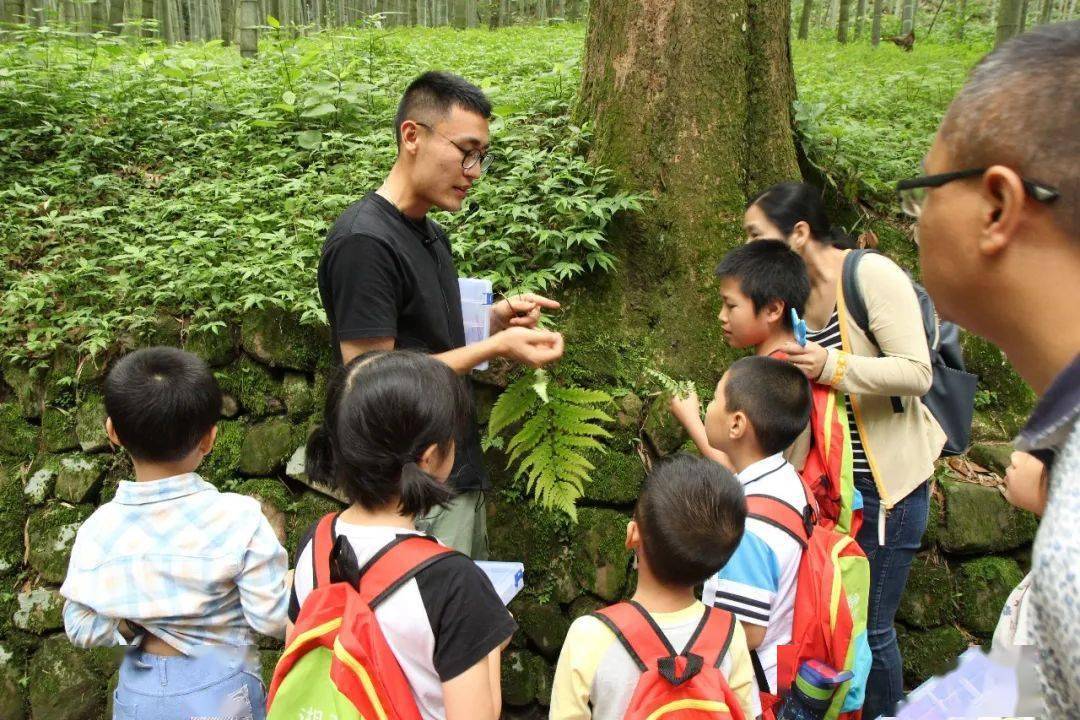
x=812 y=692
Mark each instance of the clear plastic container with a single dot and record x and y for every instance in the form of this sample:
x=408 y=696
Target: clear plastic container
x=977 y=688
x=507 y=577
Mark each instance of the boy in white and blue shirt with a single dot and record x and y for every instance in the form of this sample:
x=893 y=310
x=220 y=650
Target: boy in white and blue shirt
x=760 y=407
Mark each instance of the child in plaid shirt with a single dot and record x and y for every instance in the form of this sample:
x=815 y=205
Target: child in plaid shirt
x=183 y=574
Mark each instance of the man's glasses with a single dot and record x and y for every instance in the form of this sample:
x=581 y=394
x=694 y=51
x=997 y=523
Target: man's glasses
x=913 y=192
x=469 y=158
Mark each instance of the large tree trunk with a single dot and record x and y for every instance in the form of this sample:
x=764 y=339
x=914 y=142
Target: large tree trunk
x=875 y=24
x=691 y=104
x=804 y=19
x=844 y=12
x=908 y=23
x=860 y=18
x=1008 y=19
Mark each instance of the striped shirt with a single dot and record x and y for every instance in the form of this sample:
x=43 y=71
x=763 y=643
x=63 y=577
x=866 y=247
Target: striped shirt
x=829 y=337
x=191 y=565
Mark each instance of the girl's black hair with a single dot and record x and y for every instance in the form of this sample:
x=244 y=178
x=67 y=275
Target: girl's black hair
x=383 y=409
x=789 y=203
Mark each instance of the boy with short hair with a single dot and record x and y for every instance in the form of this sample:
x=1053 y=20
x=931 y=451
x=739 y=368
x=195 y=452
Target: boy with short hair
x=761 y=405
x=688 y=520
x=183 y=573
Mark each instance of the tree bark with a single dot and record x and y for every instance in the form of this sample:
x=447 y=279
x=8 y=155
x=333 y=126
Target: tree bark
x=844 y=11
x=248 y=34
x=908 y=22
x=691 y=103
x=1008 y=19
x=804 y=19
x=875 y=24
x=860 y=18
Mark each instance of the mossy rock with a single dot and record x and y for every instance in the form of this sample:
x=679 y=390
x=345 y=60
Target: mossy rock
x=217 y=347
x=79 y=478
x=927 y=653
x=67 y=683
x=51 y=533
x=267 y=447
x=277 y=338
x=935 y=518
x=90 y=423
x=304 y=513
x=995 y=457
x=163 y=330
x=29 y=390
x=617 y=478
x=268 y=660
x=545 y=625
x=985 y=584
x=525 y=676
x=40 y=610
x=1012 y=399
x=979 y=520
x=12 y=520
x=584 y=605
x=253 y=386
x=630 y=410
x=17 y=437
x=664 y=433
x=223 y=462
x=297 y=393
x=523 y=532
x=928 y=599
x=120 y=470
x=58 y=430
x=41 y=479
x=12 y=693
x=601 y=559
x=275 y=500
x=564 y=587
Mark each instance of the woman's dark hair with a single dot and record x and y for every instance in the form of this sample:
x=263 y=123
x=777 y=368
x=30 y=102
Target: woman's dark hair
x=383 y=410
x=789 y=203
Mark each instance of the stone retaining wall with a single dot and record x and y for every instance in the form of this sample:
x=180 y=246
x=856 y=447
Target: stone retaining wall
x=56 y=466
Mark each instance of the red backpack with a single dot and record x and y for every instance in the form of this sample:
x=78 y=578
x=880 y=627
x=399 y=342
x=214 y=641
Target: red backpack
x=676 y=686
x=829 y=624
x=338 y=664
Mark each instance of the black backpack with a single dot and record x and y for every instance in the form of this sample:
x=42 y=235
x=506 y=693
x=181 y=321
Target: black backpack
x=951 y=398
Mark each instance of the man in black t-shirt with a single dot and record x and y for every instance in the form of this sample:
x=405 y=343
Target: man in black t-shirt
x=387 y=277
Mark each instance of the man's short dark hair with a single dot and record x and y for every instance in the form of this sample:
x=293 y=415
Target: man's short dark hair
x=162 y=402
x=1019 y=108
x=774 y=395
x=434 y=94
x=691 y=514
x=768 y=270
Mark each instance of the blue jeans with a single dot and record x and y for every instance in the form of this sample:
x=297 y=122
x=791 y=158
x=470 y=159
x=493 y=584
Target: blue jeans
x=889 y=566
x=216 y=685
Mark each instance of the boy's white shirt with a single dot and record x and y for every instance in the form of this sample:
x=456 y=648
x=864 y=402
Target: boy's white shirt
x=759 y=583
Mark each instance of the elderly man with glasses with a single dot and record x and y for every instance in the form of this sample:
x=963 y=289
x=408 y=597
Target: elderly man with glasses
x=999 y=234
x=387 y=277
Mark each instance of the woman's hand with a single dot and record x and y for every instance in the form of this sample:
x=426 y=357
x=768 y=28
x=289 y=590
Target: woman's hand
x=1025 y=483
x=810 y=359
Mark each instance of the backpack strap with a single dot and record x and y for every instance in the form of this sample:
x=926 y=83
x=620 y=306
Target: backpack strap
x=644 y=641
x=322 y=547
x=776 y=512
x=397 y=563
x=713 y=636
x=853 y=299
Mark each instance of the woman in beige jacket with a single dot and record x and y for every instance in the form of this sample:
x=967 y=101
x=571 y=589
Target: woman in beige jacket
x=895 y=439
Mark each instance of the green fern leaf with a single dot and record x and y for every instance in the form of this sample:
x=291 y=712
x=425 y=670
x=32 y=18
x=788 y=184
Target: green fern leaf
x=580 y=396
x=514 y=403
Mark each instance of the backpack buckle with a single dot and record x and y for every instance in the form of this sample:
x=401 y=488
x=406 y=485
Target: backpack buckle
x=678 y=669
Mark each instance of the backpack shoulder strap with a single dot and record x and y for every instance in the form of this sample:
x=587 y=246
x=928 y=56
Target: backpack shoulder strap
x=397 y=563
x=638 y=633
x=778 y=513
x=322 y=545
x=713 y=636
x=853 y=299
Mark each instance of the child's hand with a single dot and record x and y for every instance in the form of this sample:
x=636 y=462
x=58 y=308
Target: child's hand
x=687 y=408
x=1025 y=485
x=810 y=359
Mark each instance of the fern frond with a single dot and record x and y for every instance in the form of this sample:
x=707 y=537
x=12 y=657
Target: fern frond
x=580 y=396
x=514 y=403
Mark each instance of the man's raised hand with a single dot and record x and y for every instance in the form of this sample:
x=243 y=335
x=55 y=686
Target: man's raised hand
x=535 y=348
x=520 y=311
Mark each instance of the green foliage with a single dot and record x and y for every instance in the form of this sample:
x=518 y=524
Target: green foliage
x=558 y=426
x=138 y=179
x=669 y=385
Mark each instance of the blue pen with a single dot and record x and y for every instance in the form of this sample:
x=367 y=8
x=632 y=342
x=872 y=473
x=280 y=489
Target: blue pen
x=799 y=326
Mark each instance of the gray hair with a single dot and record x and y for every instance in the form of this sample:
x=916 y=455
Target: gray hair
x=1021 y=108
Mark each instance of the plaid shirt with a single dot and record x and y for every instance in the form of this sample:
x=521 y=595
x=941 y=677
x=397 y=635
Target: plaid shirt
x=191 y=565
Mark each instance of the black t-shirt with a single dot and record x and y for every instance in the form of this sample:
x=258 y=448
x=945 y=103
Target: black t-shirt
x=384 y=275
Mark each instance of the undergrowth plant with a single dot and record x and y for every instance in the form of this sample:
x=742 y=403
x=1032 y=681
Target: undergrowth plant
x=556 y=427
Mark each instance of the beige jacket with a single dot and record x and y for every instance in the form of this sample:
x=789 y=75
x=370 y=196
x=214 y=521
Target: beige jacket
x=901 y=446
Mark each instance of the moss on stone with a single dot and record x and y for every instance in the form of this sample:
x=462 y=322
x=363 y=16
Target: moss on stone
x=29 y=389
x=13 y=513
x=39 y=481
x=525 y=676
x=985 y=584
x=520 y=531
x=584 y=605
x=90 y=422
x=304 y=513
x=67 y=683
x=618 y=475
x=661 y=429
x=79 y=478
x=1010 y=400
x=545 y=625
x=217 y=347
x=253 y=386
x=51 y=533
x=934 y=519
x=979 y=520
x=600 y=557
x=12 y=692
x=267 y=446
x=278 y=339
x=275 y=500
x=223 y=462
x=928 y=599
x=927 y=653
x=17 y=437
x=298 y=396
x=40 y=610
x=58 y=430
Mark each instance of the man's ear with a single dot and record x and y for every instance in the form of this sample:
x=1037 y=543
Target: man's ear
x=1006 y=197
x=773 y=311
x=410 y=134
x=633 y=535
